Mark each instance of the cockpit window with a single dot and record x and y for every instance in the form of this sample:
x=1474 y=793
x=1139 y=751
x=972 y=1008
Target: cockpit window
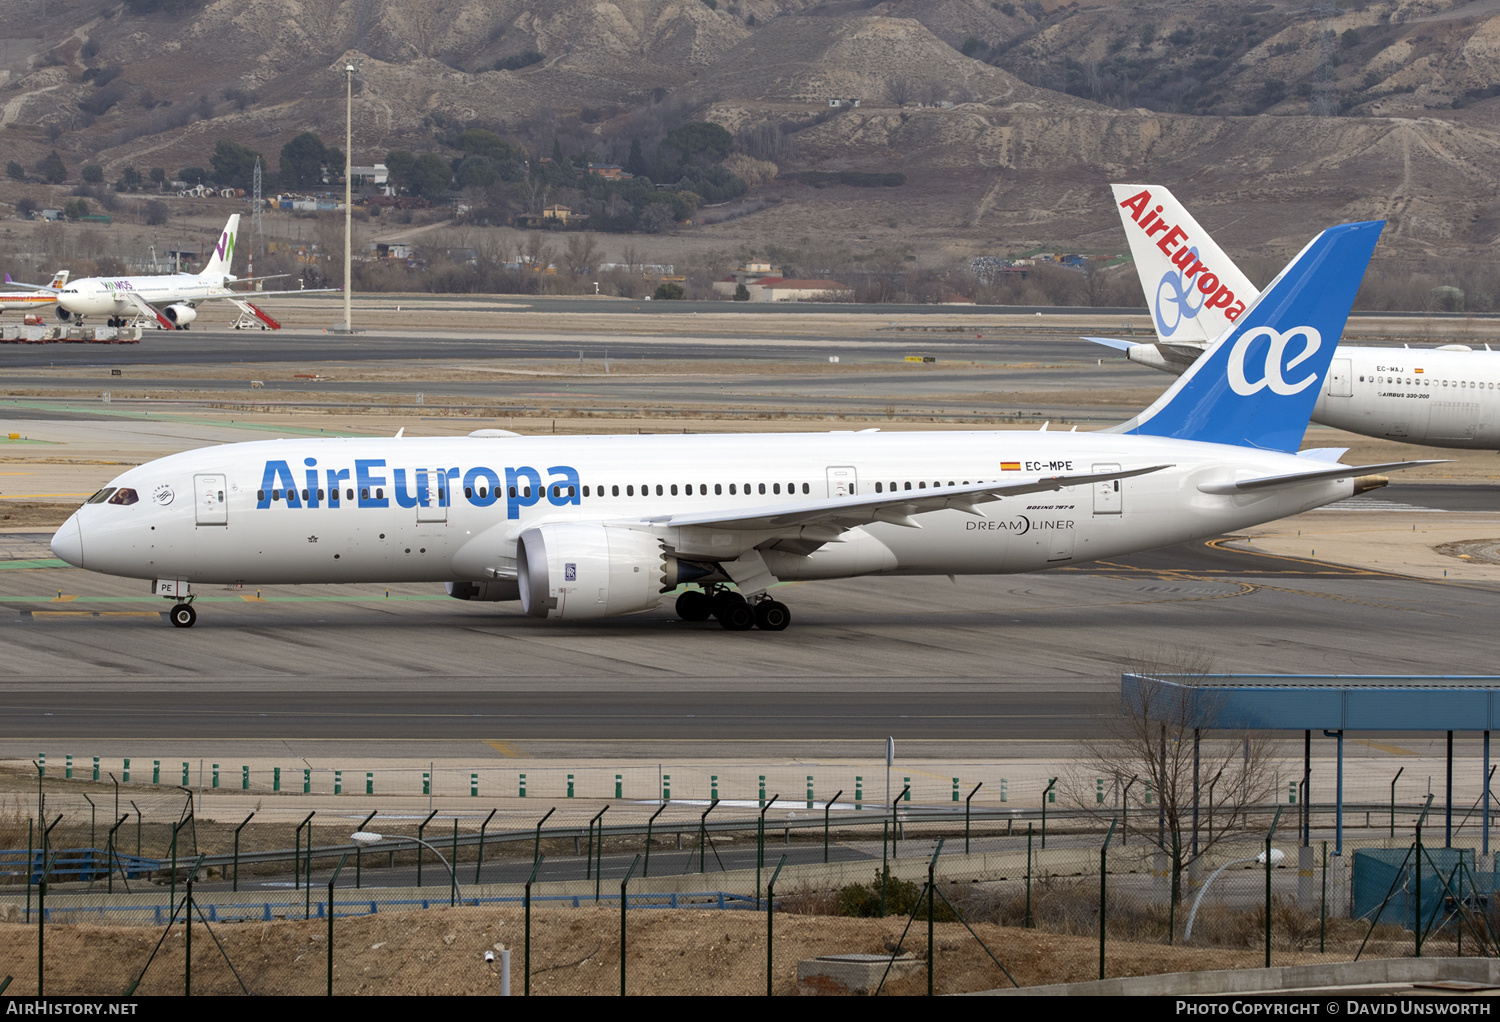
x=124 y=495
x=101 y=496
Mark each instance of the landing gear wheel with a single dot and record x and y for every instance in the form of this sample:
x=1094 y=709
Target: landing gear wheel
x=736 y=616
x=694 y=605
x=183 y=615
x=722 y=601
x=772 y=616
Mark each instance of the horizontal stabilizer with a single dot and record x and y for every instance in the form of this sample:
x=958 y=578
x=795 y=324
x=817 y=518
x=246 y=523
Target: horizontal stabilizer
x=1110 y=342
x=1296 y=478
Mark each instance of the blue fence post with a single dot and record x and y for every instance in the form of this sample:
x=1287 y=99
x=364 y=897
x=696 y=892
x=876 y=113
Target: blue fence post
x=216 y=775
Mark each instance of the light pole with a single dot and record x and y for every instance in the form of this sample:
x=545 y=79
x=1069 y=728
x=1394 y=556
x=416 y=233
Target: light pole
x=368 y=838
x=348 y=188
x=1277 y=855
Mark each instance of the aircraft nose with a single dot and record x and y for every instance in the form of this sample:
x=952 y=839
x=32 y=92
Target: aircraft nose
x=68 y=542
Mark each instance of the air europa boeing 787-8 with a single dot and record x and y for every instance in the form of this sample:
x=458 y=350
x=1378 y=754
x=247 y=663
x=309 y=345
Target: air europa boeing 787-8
x=587 y=527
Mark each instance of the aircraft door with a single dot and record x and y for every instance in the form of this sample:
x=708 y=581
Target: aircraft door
x=1340 y=382
x=433 y=495
x=843 y=481
x=1108 y=499
x=209 y=499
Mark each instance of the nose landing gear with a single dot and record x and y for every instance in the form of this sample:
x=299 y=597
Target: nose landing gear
x=183 y=615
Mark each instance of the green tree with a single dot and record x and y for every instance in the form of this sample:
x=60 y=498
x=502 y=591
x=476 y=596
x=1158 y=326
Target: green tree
x=400 y=163
x=130 y=180
x=15 y=171
x=52 y=169
x=192 y=176
x=478 y=142
x=92 y=173
x=302 y=161
x=668 y=291
x=430 y=175
x=741 y=293
x=699 y=138
x=234 y=164
x=75 y=208
x=477 y=172
x=158 y=177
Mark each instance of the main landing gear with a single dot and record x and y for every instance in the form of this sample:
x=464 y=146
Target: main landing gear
x=733 y=611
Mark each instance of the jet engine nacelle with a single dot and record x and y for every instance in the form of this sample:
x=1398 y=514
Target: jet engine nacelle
x=182 y=315
x=573 y=571
x=62 y=313
x=489 y=592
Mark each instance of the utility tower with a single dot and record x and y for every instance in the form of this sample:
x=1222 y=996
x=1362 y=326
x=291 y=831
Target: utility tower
x=255 y=221
x=1324 y=100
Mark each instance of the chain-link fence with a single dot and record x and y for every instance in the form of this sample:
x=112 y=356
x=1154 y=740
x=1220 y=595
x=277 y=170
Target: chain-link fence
x=706 y=896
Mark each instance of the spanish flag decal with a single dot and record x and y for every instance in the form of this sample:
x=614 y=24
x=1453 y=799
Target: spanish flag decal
x=1015 y=466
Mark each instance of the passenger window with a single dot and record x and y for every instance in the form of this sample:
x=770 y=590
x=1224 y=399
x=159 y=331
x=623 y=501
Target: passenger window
x=304 y=494
x=259 y=495
x=484 y=491
x=275 y=495
x=614 y=491
x=364 y=493
x=908 y=484
x=806 y=488
x=380 y=492
x=762 y=487
x=630 y=491
x=468 y=491
x=320 y=495
x=718 y=489
x=731 y=489
x=775 y=487
x=674 y=489
x=572 y=492
x=658 y=489
x=512 y=492
x=351 y=493
x=104 y=494
x=922 y=485
x=877 y=487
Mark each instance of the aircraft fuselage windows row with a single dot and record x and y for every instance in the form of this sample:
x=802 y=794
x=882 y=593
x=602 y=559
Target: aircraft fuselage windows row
x=1424 y=381
x=616 y=490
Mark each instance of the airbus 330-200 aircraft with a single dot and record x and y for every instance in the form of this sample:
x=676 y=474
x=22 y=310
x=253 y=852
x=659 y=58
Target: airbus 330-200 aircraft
x=595 y=526
x=1444 y=397
x=169 y=300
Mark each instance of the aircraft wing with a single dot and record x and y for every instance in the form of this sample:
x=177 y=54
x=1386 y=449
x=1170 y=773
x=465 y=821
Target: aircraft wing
x=894 y=508
x=245 y=296
x=1293 y=478
x=145 y=308
x=28 y=287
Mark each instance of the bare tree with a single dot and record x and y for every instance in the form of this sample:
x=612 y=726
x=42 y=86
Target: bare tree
x=899 y=90
x=1155 y=749
x=537 y=251
x=581 y=252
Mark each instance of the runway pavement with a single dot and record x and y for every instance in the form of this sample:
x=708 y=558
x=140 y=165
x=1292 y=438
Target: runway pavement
x=973 y=665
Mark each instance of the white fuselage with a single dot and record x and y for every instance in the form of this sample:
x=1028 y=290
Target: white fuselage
x=446 y=509
x=1418 y=395
x=100 y=296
